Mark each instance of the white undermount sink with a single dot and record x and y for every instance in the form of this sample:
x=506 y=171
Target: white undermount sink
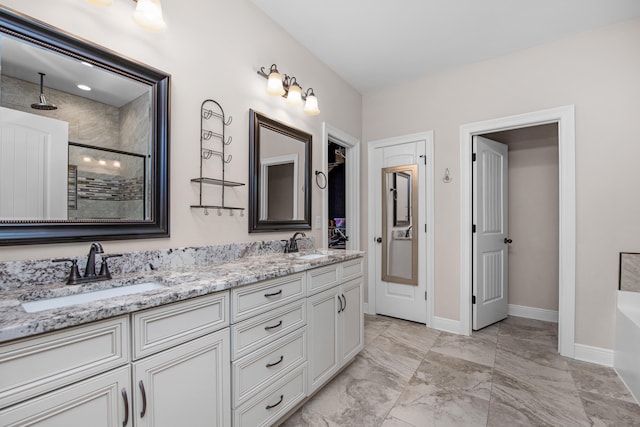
x=312 y=256
x=57 y=302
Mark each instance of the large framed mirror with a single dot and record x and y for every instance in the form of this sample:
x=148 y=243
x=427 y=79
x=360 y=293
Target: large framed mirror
x=280 y=176
x=84 y=139
x=399 y=214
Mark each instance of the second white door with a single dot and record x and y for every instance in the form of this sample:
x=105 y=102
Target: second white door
x=490 y=233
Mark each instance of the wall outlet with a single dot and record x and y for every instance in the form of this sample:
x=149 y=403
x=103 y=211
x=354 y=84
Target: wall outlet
x=318 y=222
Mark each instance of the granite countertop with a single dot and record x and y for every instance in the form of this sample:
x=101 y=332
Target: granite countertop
x=178 y=284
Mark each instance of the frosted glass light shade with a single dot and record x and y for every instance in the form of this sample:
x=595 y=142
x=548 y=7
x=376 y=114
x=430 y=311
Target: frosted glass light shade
x=294 y=97
x=311 y=106
x=274 y=84
x=101 y=2
x=148 y=14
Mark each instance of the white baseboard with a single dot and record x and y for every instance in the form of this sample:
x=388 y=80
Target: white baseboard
x=366 y=308
x=587 y=353
x=446 y=325
x=533 y=313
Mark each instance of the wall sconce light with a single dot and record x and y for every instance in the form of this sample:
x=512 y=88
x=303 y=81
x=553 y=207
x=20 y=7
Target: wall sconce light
x=148 y=13
x=288 y=87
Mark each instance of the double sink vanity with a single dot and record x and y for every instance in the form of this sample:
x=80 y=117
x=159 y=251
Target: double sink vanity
x=240 y=342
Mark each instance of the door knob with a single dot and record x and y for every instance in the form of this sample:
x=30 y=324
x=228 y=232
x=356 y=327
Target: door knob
x=507 y=241
x=379 y=239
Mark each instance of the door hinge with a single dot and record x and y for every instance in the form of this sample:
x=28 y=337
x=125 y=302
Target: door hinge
x=425 y=228
x=473 y=228
x=424 y=158
x=473 y=299
x=425 y=295
x=473 y=157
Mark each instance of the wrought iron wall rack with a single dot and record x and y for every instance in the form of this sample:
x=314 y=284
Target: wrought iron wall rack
x=211 y=110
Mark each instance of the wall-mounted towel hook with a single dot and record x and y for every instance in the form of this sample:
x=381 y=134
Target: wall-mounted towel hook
x=219 y=212
x=206 y=211
x=447 y=177
x=206 y=153
x=207 y=114
x=228 y=141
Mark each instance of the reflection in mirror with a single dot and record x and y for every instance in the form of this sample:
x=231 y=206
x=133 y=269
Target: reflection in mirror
x=84 y=139
x=399 y=213
x=280 y=175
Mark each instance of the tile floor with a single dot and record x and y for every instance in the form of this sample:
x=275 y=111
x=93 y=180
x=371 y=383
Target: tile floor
x=508 y=374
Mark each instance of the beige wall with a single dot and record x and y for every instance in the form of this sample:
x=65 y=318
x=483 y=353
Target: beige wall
x=212 y=49
x=533 y=215
x=598 y=72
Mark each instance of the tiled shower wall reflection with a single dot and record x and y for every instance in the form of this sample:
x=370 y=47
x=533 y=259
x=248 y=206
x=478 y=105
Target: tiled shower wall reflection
x=630 y=271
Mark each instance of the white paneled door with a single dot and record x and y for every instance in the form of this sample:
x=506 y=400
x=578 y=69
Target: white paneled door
x=393 y=298
x=490 y=234
x=33 y=167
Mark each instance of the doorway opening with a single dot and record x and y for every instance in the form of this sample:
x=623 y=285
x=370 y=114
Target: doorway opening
x=336 y=188
x=529 y=246
x=341 y=190
x=565 y=119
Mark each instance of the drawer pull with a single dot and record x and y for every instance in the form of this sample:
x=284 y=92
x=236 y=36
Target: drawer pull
x=275 y=404
x=267 y=328
x=126 y=407
x=273 y=294
x=345 y=302
x=144 y=399
x=270 y=365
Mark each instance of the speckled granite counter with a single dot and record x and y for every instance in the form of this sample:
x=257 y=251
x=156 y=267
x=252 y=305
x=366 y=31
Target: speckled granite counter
x=179 y=283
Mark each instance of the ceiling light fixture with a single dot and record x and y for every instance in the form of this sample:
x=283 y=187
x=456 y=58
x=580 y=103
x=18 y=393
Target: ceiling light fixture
x=148 y=13
x=288 y=87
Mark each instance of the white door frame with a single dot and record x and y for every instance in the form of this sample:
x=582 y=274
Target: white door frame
x=352 y=182
x=565 y=117
x=427 y=187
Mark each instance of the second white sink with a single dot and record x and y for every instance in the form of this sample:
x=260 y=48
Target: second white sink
x=49 y=303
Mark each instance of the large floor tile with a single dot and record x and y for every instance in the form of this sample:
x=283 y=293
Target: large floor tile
x=517 y=402
x=598 y=379
x=529 y=329
x=445 y=391
x=476 y=348
x=414 y=335
x=607 y=411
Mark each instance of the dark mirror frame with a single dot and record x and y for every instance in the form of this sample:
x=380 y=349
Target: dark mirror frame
x=259 y=121
x=38 y=232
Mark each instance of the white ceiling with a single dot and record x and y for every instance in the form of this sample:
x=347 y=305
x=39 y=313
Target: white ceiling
x=376 y=43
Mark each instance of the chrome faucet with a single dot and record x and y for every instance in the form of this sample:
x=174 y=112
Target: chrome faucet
x=292 y=246
x=90 y=269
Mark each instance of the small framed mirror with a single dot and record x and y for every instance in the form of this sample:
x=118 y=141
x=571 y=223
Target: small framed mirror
x=84 y=147
x=399 y=213
x=280 y=176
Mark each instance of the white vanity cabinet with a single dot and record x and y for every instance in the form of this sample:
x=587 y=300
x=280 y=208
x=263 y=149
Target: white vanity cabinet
x=175 y=372
x=336 y=320
x=66 y=378
x=268 y=349
x=181 y=364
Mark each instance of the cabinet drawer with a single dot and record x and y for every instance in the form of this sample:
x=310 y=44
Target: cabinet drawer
x=275 y=401
x=32 y=366
x=351 y=269
x=253 y=334
x=254 y=372
x=322 y=278
x=255 y=299
x=95 y=402
x=163 y=327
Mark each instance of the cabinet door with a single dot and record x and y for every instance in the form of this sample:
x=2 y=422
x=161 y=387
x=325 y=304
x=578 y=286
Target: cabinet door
x=186 y=385
x=352 y=319
x=324 y=355
x=95 y=402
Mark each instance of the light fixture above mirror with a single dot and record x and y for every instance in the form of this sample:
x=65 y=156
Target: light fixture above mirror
x=289 y=88
x=148 y=13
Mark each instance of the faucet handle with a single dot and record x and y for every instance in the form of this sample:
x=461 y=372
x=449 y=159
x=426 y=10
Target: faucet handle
x=104 y=268
x=286 y=245
x=74 y=273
